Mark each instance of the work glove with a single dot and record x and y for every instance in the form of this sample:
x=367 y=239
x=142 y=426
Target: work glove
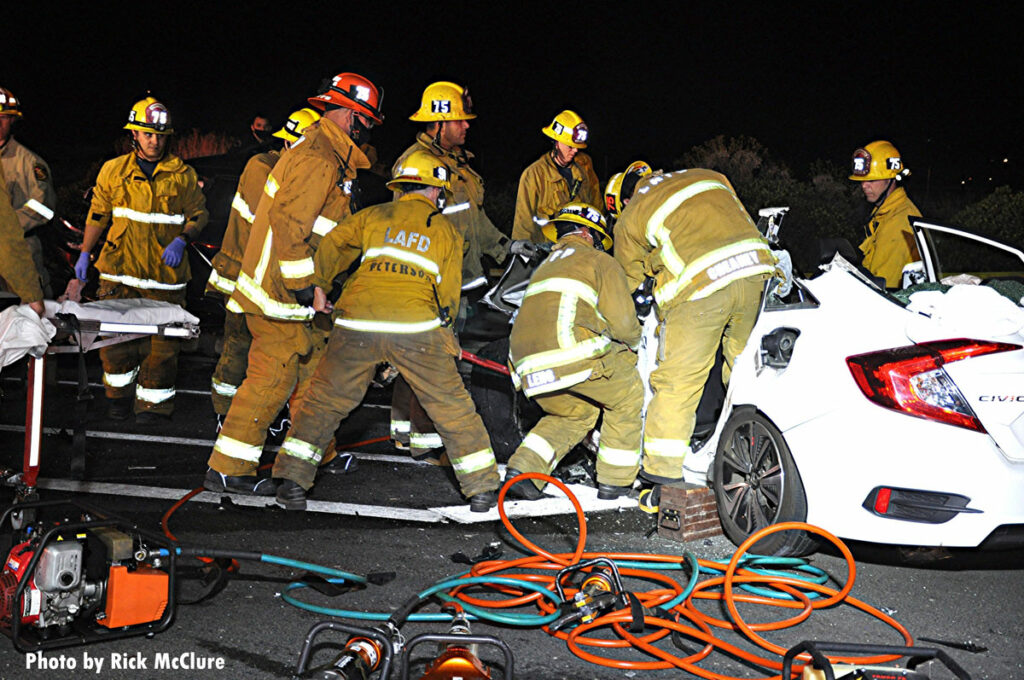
x=82 y=267
x=643 y=297
x=783 y=273
x=524 y=247
x=173 y=252
x=305 y=296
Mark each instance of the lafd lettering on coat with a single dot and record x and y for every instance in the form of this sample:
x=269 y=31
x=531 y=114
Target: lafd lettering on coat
x=411 y=240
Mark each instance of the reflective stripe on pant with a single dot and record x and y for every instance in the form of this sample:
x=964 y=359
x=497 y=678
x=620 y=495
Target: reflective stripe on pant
x=690 y=334
x=234 y=357
x=409 y=422
x=282 y=358
x=427 y=360
x=151 y=362
x=613 y=388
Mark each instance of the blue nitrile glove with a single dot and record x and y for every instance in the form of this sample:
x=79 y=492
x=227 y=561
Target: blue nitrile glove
x=174 y=251
x=82 y=267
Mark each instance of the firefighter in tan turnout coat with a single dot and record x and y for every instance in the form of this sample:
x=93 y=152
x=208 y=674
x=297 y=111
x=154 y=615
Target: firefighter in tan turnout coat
x=234 y=356
x=150 y=204
x=689 y=231
x=397 y=307
x=572 y=349
x=306 y=195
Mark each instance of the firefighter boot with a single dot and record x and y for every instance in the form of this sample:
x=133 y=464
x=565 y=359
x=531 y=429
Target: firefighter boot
x=249 y=485
x=608 y=492
x=484 y=501
x=525 y=490
x=291 y=496
x=120 y=409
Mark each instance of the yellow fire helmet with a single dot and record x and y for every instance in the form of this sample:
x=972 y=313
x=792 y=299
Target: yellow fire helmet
x=422 y=167
x=613 y=191
x=9 y=104
x=569 y=129
x=149 y=115
x=877 y=160
x=297 y=122
x=444 y=101
x=580 y=214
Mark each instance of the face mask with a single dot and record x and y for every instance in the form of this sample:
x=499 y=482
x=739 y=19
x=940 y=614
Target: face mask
x=359 y=133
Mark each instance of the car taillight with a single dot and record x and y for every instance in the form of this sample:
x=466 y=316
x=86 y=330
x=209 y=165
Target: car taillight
x=911 y=379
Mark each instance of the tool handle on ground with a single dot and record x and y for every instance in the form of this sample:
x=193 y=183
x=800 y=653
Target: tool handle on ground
x=307 y=645
x=462 y=641
x=916 y=654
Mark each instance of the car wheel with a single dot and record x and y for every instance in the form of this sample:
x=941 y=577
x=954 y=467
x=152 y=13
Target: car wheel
x=757 y=484
x=507 y=414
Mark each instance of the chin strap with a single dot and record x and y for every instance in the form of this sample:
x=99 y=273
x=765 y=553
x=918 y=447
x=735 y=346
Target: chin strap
x=889 y=188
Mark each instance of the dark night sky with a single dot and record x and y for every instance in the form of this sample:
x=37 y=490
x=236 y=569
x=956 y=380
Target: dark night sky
x=942 y=80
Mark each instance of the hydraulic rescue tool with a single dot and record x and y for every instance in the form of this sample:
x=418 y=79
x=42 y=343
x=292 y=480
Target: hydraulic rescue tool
x=457 y=658
x=820 y=668
x=90 y=577
x=367 y=651
x=600 y=592
x=371 y=652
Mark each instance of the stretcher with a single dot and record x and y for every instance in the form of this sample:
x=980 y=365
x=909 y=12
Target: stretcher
x=74 y=328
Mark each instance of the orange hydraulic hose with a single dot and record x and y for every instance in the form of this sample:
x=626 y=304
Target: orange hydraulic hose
x=542 y=563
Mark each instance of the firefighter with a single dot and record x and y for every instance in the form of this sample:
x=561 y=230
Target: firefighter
x=398 y=307
x=29 y=184
x=445 y=111
x=230 y=370
x=307 y=193
x=151 y=202
x=890 y=244
x=563 y=174
x=622 y=184
x=17 y=272
x=688 y=230
x=572 y=349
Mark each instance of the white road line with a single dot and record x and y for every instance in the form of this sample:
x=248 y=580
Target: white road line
x=100 y=434
x=177 y=390
x=379 y=511
x=205 y=443
x=557 y=505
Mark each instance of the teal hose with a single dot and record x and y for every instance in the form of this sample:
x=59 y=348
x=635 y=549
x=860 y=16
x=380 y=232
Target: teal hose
x=817 y=575
x=513 y=619
x=691 y=561
x=316 y=568
x=330 y=572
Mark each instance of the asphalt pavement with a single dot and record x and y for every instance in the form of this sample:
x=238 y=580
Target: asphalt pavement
x=401 y=522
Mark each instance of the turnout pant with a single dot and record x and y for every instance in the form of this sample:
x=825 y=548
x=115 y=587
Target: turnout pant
x=614 y=389
x=282 y=358
x=150 y=364
x=427 y=361
x=410 y=424
x=689 y=336
x=234 y=357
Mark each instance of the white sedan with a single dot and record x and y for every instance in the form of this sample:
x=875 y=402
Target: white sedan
x=878 y=419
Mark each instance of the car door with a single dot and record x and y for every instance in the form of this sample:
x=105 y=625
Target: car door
x=948 y=251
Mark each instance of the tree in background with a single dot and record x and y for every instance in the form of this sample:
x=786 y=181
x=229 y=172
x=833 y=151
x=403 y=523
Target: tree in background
x=825 y=206
x=999 y=216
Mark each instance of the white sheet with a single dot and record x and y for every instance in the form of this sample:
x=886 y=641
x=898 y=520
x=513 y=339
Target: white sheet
x=23 y=332
x=963 y=311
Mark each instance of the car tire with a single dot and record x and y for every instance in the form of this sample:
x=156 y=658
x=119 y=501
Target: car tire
x=757 y=484
x=507 y=414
